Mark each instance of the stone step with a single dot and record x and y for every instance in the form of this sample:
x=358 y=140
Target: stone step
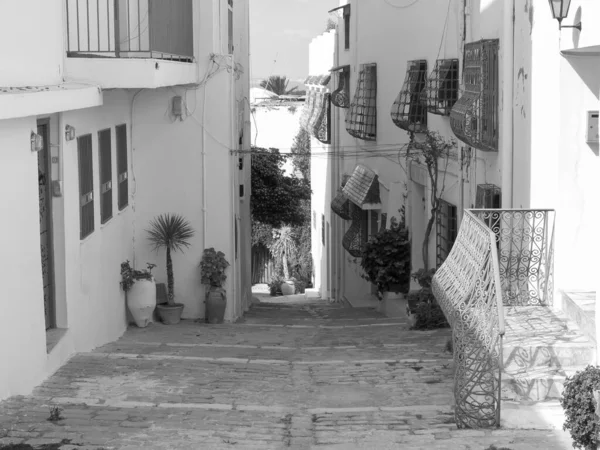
x=580 y=307
x=537 y=384
x=519 y=359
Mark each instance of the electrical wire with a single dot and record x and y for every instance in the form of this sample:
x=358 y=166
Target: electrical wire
x=402 y=6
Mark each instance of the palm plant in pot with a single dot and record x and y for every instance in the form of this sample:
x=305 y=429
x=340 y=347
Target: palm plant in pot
x=283 y=248
x=212 y=269
x=386 y=261
x=173 y=232
x=140 y=291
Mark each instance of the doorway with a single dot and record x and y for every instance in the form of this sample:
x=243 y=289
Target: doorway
x=45 y=208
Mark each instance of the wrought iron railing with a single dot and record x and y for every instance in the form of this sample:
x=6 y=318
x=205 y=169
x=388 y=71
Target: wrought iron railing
x=500 y=257
x=525 y=243
x=467 y=287
x=130 y=29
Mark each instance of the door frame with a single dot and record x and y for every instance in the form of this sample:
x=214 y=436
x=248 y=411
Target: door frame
x=45 y=123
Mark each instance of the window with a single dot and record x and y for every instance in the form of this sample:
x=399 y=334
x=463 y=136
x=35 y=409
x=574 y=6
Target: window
x=346 y=27
x=441 y=91
x=105 y=155
x=489 y=196
x=409 y=110
x=361 y=119
x=446 y=230
x=241 y=191
x=86 y=185
x=230 y=26
x=341 y=96
x=474 y=117
x=321 y=129
x=122 y=171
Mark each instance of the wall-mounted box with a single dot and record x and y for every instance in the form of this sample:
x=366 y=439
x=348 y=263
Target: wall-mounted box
x=591 y=135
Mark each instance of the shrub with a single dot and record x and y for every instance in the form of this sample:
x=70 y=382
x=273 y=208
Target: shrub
x=300 y=287
x=275 y=285
x=424 y=305
x=580 y=409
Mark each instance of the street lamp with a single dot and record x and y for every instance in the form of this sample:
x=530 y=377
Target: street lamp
x=560 y=10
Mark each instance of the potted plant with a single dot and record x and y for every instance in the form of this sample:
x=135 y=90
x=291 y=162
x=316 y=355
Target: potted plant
x=283 y=248
x=140 y=292
x=212 y=270
x=386 y=262
x=173 y=232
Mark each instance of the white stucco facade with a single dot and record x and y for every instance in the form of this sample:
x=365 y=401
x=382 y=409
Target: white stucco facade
x=543 y=159
x=186 y=165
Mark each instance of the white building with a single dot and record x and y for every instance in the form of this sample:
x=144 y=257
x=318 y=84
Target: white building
x=538 y=86
x=102 y=128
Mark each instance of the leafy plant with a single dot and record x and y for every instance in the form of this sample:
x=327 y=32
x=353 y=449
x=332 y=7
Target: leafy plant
x=275 y=286
x=55 y=414
x=423 y=304
x=300 y=151
x=130 y=275
x=173 y=232
x=283 y=247
x=212 y=267
x=580 y=408
x=277 y=84
x=386 y=259
x=423 y=277
x=299 y=287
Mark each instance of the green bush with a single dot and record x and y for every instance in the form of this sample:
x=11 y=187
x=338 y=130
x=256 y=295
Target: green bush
x=423 y=304
x=300 y=287
x=578 y=403
x=275 y=285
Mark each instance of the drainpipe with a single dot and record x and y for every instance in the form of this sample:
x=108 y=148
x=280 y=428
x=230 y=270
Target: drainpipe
x=507 y=130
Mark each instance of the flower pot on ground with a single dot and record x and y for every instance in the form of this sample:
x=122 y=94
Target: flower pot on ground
x=212 y=270
x=386 y=263
x=140 y=291
x=288 y=287
x=171 y=232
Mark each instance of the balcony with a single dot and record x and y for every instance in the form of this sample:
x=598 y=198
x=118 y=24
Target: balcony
x=131 y=43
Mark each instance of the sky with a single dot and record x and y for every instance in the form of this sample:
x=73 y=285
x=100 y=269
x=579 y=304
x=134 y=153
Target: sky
x=280 y=31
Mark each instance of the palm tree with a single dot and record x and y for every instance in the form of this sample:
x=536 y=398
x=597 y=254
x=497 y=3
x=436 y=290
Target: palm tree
x=277 y=84
x=283 y=247
x=172 y=232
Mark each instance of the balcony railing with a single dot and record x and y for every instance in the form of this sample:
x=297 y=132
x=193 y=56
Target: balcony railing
x=160 y=29
x=500 y=257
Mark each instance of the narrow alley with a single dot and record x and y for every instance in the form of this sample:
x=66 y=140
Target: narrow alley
x=304 y=375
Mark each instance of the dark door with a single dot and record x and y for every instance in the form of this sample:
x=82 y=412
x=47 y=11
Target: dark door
x=45 y=197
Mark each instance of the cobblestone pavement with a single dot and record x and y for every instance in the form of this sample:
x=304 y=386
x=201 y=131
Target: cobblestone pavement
x=307 y=375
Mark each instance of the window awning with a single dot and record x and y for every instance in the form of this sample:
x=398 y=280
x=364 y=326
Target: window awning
x=321 y=128
x=341 y=96
x=441 y=91
x=353 y=241
x=318 y=80
x=464 y=117
x=341 y=204
x=362 y=188
x=308 y=110
x=409 y=110
x=361 y=118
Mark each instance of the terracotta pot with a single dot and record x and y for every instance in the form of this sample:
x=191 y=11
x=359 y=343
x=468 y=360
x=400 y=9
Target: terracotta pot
x=288 y=288
x=141 y=301
x=216 y=302
x=170 y=314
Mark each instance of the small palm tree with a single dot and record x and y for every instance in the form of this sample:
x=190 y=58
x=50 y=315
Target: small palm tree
x=283 y=247
x=172 y=232
x=277 y=84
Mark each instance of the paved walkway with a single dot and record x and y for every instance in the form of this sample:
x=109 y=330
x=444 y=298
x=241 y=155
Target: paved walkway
x=301 y=375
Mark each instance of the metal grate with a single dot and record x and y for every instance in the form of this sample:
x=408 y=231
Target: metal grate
x=341 y=204
x=341 y=96
x=357 y=235
x=105 y=156
x=86 y=185
x=363 y=186
x=409 y=110
x=122 y=171
x=474 y=117
x=489 y=196
x=361 y=119
x=322 y=127
x=441 y=91
x=447 y=227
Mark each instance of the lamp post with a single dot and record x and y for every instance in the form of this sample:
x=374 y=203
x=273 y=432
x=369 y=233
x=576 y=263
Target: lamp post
x=560 y=10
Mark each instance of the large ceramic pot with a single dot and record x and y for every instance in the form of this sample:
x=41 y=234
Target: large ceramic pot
x=288 y=288
x=170 y=314
x=216 y=302
x=141 y=301
x=394 y=305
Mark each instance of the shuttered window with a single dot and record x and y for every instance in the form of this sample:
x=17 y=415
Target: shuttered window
x=122 y=172
x=86 y=185
x=105 y=155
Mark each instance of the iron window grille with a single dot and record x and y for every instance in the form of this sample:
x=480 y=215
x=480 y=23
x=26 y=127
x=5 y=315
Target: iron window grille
x=446 y=230
x=357 y=235
x=105 y=155
x=474 y=117
x=441 y=91
x=341 y=96
x=340 y=205
x=489 y=196
x=308 y=108
x=409 y=110
x=319 y=102
x=122 y=171
x=361 y=119
x=362 y=187
x=86 y=185
x=322 y=127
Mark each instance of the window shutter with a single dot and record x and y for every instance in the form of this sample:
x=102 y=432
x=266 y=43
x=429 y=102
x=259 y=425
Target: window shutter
x=105 y=154
x=122 y=171
x=86 y=185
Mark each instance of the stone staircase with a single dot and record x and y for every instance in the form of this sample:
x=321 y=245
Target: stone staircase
x=541 y=348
